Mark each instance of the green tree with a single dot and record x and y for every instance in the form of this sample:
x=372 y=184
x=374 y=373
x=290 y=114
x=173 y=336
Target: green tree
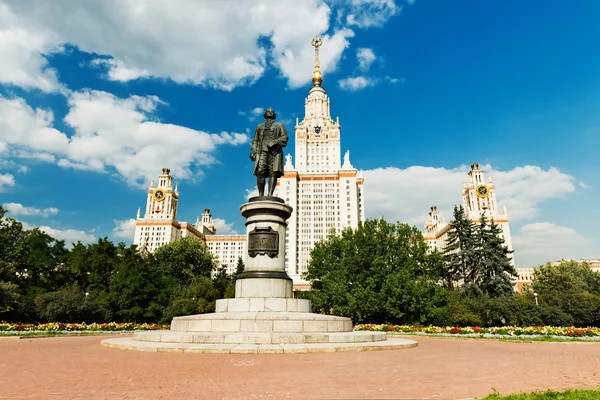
x=94 y=265
x=224 y=283
x=9 y=297
x=197 y=298
x=71 y=304
x=494 y=271
x=570 y=287
x=13 y=251
x=138 y=289
x=380 y=272
x=239 y=268
x=460 y=251
x=184 y=259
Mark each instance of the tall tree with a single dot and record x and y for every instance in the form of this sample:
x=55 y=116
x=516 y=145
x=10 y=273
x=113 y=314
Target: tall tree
x=239 y=268
x=494 y=270
x=460 y=251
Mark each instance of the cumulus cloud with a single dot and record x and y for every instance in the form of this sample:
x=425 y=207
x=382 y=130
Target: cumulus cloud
x=540 y=242
x=6 y=181
x=210 y=43
x=521 y=190
x=110 y=132
x=124 y=228
x=224 y=227
x=19 y=210
x=22 y=53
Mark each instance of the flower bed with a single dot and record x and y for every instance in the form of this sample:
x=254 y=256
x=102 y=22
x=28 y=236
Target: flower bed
x=55 y=327
x=476 y=331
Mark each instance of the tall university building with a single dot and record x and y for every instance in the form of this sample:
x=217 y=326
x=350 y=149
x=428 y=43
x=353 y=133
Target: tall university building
x=326 y=194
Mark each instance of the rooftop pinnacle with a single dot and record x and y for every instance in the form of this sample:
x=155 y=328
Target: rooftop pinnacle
x=317 y=79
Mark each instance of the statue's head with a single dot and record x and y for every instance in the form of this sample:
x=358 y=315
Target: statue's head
x=270 y=113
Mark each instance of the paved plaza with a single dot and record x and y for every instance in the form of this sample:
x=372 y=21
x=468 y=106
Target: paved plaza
x=439 y=368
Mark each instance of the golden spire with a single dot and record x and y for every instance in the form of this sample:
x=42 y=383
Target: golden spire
x=317 y=79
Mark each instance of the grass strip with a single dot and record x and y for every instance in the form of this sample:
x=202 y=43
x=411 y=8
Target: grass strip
x=549 y=395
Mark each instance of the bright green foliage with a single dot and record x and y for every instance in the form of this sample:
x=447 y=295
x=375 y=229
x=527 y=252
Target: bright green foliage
x=184 y=259
x=570 y=287
x=380 y=272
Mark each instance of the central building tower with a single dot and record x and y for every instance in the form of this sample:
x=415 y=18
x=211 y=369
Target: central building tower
x=326 y=194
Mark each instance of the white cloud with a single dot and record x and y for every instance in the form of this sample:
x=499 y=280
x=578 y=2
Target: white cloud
x=540 y=242
x=368 y=13
x=406 y=194
x=22 y=53
x=356 y=83
x=6 y=180
x=70 y=236
x=110 y=132
x=19 y=209
x=223 y=227
x=28 y=129
x=251 y=193
x=365 y=57
x=211 y=43
x=124 y=228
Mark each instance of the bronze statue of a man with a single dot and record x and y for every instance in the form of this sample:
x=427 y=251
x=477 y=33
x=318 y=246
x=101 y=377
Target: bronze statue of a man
x=267 y=146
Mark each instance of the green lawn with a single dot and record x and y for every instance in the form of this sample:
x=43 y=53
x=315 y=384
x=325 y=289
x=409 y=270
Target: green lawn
x=550 y=395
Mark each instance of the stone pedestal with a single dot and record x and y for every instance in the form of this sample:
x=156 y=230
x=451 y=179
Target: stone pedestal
x=264 y=275
x=263 y=317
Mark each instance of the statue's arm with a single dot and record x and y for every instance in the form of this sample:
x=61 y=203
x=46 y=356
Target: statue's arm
x=254 y=145
x=283 y=138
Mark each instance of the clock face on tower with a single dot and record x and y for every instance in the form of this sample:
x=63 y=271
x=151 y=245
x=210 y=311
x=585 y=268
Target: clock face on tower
x=482 y=191
x=159 y=194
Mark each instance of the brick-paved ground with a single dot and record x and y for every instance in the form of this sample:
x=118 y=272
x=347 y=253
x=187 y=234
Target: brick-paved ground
x=79 y=368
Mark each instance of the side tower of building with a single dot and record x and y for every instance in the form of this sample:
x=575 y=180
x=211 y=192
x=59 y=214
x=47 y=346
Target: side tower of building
x=327 y=196
x=479 y=198
x=159 y=224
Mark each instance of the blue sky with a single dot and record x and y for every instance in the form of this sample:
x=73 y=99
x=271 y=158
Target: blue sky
x=96 y=98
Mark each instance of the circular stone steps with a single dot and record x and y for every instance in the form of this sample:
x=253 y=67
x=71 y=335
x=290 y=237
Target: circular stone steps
x=259 y=332
x=130 y=344
x=258 y=337
x=261 y=322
